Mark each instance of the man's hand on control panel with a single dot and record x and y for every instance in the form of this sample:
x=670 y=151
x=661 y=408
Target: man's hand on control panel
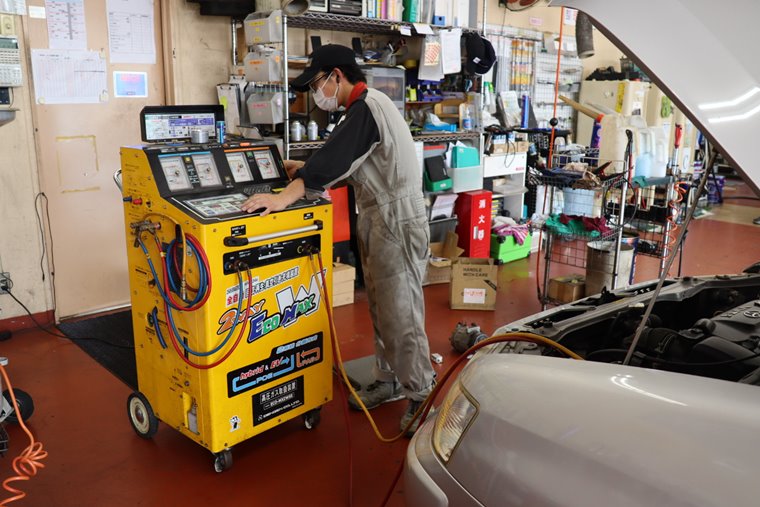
x=269 y=203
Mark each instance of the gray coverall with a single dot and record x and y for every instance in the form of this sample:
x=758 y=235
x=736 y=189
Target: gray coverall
x=393 y=237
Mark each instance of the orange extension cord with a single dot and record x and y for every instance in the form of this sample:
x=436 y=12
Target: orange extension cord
x=28 y=462
x=551 y=148
x=674 y=211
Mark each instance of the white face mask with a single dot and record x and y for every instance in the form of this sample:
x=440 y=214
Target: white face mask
x=328 y=104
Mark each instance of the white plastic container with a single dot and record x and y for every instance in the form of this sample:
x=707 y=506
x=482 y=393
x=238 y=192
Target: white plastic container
x=263 y=65
x=613 y=141
x=262 y=27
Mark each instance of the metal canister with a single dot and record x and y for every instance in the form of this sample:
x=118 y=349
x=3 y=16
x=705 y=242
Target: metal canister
x=220 y=131
x=312 y=131
x=296 y=132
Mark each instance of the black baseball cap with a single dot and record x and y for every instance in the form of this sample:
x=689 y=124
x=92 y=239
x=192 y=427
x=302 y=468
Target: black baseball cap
x=329 y=55
x=480 y=54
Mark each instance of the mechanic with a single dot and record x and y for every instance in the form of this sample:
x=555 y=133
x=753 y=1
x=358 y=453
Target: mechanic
x=372 y=149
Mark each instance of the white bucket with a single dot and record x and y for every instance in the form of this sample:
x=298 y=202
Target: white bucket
x=600 y=258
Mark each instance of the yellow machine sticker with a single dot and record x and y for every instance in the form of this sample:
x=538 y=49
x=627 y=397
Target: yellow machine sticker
x=290 y=307
x=260 y=286
x=283 y=360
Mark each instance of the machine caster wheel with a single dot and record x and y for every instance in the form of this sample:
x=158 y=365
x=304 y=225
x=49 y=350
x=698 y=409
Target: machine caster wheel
x=223 y=460
x=312 y=418
x=144 y=421
x=24 y=402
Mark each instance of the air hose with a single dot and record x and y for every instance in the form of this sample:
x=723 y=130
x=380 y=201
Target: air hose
x=427 y=404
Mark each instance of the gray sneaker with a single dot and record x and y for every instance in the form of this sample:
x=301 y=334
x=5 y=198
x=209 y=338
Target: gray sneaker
x=412 y=409
x=376 y=394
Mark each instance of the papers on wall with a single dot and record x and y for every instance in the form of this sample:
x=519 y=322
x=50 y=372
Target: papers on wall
x=13 y=7
x=69 y=77
x=431 y=63
x=131 y=36
x=451 y=50
x=66 y=26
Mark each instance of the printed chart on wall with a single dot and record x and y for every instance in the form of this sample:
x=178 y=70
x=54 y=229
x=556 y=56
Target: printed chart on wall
x=66 y=24
x=131 y=36
x=69 y=77
x=13 y=7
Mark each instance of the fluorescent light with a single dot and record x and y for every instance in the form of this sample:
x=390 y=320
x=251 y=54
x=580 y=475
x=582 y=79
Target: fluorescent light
x=743 y=116
x=730 y=103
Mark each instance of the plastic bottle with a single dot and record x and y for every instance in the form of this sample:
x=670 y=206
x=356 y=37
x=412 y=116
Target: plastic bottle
x=466 y=119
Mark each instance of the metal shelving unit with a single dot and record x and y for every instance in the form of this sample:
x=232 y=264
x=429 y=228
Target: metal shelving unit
x=568 y=194
x=340 y=22
x=425 y=138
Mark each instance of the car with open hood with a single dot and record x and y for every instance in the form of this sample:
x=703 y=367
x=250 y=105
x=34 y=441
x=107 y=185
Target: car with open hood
x=673 y=420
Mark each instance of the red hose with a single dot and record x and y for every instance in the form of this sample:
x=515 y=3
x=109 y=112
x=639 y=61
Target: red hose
x=180 y=351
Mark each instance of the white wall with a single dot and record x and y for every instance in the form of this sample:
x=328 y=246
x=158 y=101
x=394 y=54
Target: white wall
x=20 y=242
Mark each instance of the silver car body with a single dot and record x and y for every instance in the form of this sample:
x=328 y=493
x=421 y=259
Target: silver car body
x=557 y=432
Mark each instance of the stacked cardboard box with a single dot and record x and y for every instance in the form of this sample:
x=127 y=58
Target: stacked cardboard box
x=343 y=284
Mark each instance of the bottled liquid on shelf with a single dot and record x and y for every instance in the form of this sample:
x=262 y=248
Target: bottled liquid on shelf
x=466 y=119
x=296 y=132
x=312 y=131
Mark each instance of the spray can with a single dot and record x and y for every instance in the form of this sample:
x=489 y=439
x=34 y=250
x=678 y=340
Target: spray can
x=220 y=130
x=312 y=131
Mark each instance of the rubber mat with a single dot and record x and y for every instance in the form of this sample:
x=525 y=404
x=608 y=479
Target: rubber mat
x=109 y=340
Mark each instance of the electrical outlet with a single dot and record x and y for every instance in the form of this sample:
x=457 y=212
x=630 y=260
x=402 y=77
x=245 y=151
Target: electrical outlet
x=7 y=25
x=5 y=283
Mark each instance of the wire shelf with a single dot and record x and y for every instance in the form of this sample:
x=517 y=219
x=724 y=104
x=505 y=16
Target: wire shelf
x=346 y=23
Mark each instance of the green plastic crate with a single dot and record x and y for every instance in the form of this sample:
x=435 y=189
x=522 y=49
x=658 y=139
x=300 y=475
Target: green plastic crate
x=505 y=249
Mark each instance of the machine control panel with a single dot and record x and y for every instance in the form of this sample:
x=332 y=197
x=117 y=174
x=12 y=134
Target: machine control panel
x=273 y=252
x=212 y=180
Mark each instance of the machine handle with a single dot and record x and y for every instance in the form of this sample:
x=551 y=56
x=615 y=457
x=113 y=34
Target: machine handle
x=247 y=240
x=117 y=179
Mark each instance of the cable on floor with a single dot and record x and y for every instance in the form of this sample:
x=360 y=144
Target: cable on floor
x=427 y=404
x=27 y=464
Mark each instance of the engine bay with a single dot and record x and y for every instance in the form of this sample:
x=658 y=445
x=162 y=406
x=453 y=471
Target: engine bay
x=707 y=326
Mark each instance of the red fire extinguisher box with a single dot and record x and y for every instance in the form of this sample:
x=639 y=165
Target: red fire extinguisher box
x=474 y=227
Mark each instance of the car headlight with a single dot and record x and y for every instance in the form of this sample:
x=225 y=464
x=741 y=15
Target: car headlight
x=455 y=415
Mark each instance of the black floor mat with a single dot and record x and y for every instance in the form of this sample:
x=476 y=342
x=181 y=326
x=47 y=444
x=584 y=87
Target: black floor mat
x=109 y=340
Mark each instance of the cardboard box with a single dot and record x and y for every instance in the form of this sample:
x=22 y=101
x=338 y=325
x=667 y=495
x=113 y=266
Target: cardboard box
x=441 y=256
x=567 y=289
x=473 y=284
x=343 y=284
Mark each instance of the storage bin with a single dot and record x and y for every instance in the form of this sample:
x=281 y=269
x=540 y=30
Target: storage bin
x=465 y=179
x=505 y=249
x=261 y=27
x=439 y=228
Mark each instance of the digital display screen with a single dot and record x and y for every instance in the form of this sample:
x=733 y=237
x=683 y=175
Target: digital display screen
x=210 y=207
x=175 y=173
x=159 y=126
x=265 y=162
x=206 y=169
x=241 y=171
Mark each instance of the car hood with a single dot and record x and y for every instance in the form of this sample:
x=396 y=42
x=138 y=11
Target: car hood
x=553 y=431
x=703 y=54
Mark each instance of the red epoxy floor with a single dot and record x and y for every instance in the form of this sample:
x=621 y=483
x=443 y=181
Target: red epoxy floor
x=96 y=460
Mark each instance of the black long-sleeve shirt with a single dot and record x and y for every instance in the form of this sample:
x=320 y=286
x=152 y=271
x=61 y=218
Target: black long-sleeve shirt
x=350 y=140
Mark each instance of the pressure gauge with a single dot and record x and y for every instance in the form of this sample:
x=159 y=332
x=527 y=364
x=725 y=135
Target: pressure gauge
x=241 y=171
x=175 y=173
x=206 y=169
